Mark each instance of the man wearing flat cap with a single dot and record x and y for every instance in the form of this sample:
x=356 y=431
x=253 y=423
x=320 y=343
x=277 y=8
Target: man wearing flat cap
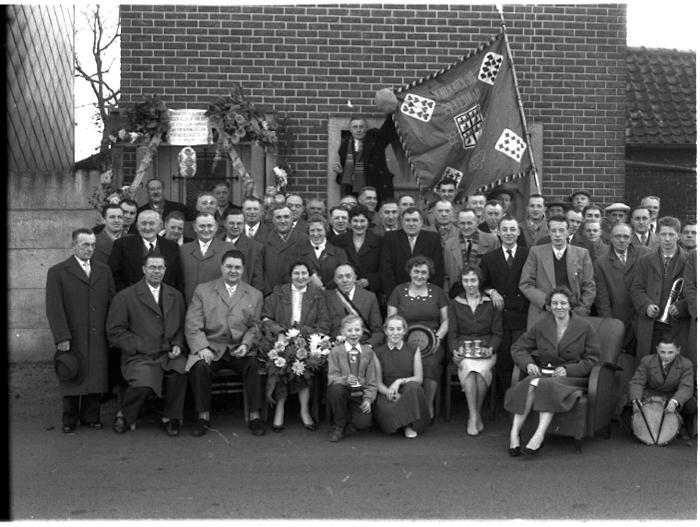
x=79 y=291
x=555 y=207
x=579 y=200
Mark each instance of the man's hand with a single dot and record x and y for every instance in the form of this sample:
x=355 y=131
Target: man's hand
x=362 y=282
x=673 y=311
x=175 y=352
x=240 y=351
x=351 y=379
x=207 y=355
x=671 y=406
x=653 y=311
x=64 y=345
x=337 y=168
x=366 y=406
x=497 y=300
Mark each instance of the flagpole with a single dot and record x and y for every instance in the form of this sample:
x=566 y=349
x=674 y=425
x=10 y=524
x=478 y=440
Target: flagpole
x=528 y=137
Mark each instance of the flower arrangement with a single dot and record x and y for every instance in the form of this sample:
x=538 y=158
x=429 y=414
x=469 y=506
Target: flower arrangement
x=280 y=179
x=235 y=119
x=291 y=361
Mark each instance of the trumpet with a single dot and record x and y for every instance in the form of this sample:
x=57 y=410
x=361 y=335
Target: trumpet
x=676 y=290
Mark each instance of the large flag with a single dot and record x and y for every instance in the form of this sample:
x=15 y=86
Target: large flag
x=463 y=122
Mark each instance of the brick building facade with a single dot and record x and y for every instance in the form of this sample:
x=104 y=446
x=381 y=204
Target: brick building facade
x=309 y=61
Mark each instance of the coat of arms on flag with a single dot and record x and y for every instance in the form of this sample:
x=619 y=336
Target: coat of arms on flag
x=464 y=118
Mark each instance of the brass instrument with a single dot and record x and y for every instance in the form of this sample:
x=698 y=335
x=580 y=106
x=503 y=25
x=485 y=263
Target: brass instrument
x=676 y=290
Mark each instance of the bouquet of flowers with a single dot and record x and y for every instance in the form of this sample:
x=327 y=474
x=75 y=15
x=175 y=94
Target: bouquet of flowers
x=291 y=361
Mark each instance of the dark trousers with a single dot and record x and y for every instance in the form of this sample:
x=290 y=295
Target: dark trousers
x=504 y=361
x=345 y=409
x=201 y=376
x=133 y=397
x=83 y=407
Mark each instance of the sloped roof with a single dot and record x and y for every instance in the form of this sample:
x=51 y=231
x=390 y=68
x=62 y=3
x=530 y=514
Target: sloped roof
x=660 y=97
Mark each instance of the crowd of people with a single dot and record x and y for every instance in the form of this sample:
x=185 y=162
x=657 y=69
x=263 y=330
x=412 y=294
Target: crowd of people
x=158 y=296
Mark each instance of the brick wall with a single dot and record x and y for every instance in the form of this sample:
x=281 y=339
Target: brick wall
x=308 y=61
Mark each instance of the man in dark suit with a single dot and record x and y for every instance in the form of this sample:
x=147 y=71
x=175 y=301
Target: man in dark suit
x=112 y=216
x=339 y=220
x=224 y=206
x=501 y=269
x=200 y=260
x=255 y=227
x=613 y=272
x=127 y=255
x=388 y=217
x=651 y=287
x=362 y=160
x=641 y=235
x=251 y=249
x=349 y=299
x=321 y=256
x=296 y=206
x=557 y=264
x=174 y=228
x=146 y=323
x=399 y=246
x=282 y=247
x=158 y=203
x=221 y=327
x=79 y=291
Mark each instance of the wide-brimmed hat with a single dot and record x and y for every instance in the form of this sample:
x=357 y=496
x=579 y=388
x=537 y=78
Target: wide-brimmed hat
x=557 y=203
x=68 y=368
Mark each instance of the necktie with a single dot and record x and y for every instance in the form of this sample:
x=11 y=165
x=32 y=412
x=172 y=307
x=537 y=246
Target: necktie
x=86 y=266
x=151 y=248
x=623 y=257
x=412 y=242
x=250 y=232
x=667 y=261
x=644 y=239
x=509 y=259
x=651 y=227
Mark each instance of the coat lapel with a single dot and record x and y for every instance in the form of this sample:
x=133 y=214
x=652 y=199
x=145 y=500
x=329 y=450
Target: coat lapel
x=573 y=332
x=74 y=268
x=145 y=297
x=548 y=264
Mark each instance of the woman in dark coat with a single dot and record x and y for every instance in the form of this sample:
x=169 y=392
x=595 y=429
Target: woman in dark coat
x=279 y=314
x=362 y=246
x=472 y=316
x=557 y=353
x=400 y=401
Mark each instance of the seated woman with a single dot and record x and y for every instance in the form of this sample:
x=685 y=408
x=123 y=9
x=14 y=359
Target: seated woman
x=558 y=353
x=472 y=316
x=669 y=375
x=420 y=302
x=303 y=304
x=401 y=402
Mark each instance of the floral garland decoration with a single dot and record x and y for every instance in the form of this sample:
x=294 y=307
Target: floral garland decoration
x=235 y=119
x=148 y=121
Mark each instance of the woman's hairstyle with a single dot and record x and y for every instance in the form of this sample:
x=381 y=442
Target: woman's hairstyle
x=298 y=263
x=350 y=319
x=561 y=290
x=420 y=260
x=391 y=318
x=472 y=269
x=359 y=210
x=317 y=218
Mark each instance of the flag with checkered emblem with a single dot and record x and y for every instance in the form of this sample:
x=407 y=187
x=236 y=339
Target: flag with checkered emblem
x=464 y=120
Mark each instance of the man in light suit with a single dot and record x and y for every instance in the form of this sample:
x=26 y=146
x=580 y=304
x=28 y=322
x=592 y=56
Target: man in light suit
x=252 y=250
x=221 y=326
x=282 y=247
x=471 y=243
x=146 y=323
x=158 y=203
x=443 y=220
x=534 y=226
x=399 y=246
x=255 y=227
x=349 y=299
x=200 y=260
x=126 y=259
x=79 y=291
x=548 y=266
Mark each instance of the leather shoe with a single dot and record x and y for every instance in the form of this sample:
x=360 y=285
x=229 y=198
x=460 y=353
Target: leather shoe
x=119 y=425
x=311 y=426
x=514 y=451
x=276 y=428
x=172 y=427
x=200 y=427
x=68 y=429
x=257 y=426
x=94 y=426
x=336 y=434
x=531 y=451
